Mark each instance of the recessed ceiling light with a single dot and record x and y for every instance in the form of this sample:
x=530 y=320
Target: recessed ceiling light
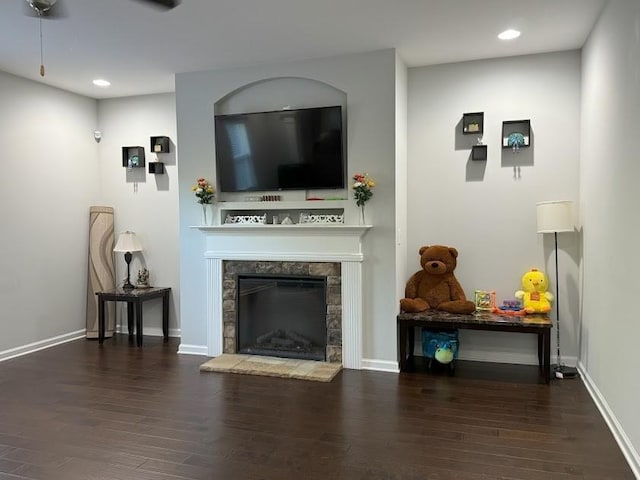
x=99 y=82
x=509 y=34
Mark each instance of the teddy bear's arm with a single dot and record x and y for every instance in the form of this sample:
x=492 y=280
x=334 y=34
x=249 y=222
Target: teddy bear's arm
x=549 y=296
x=519 y=294
x=411 y=290
x=455 y=290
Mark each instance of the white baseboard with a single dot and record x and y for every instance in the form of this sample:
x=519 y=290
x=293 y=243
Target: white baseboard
x=193 y=349
x=515 y=359
x=379 y=365
x=629 y=452
x=41 y=345
x=151 y=331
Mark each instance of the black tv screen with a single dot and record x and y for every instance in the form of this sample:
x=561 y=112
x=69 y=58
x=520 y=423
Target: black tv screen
x=280 y=150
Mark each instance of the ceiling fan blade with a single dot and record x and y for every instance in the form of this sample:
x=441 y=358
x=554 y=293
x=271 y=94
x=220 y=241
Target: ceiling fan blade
x=164 y=4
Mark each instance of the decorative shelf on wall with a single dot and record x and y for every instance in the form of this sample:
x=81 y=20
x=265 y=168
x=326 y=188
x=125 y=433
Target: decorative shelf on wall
x=133 y=157
x=156 y=167
x=479 y=152
x=473 y=123
x=160 y=144
x=516 y=134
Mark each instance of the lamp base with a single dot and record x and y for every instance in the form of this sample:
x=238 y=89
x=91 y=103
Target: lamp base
x=562 y=371
x=128 y=286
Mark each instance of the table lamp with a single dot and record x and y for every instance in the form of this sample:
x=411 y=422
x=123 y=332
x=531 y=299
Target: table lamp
x=556 y=217
x=127 y=243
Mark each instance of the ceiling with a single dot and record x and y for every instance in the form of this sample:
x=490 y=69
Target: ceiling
x=139 y=48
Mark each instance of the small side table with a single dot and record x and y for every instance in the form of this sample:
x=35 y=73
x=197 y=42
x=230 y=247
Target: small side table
x=134 y=299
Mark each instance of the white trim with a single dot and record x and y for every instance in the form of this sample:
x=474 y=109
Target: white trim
x=286 y=257
x=380 y=365
x=517 y=358
x=351 y=314
x=151 y=331
x=629 y=452
x=214 y=312
x=192 y=349
x=295 y=230
x=41 y=345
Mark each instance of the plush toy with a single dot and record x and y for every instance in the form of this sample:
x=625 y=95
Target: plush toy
x=435 y=286
x=441 y=347
x=534 y=295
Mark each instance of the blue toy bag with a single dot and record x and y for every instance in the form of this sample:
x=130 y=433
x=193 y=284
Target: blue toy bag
x=433 y=340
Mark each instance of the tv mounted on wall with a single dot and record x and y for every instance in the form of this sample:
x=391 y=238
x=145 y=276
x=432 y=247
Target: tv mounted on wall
x=280 y=150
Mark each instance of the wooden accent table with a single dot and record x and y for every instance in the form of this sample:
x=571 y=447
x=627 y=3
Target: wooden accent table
x=539 y=324
x=134 y=298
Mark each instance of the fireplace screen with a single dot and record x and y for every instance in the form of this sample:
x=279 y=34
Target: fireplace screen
x=282 y=316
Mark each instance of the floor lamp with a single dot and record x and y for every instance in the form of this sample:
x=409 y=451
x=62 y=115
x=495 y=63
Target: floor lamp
x=557 y=217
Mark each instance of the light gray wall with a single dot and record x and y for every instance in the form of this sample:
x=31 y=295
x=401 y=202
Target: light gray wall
x=144 y=203
x=368 y=80
x=609 y=197
x=49 y=178
x=487 y=209
x=401 y=177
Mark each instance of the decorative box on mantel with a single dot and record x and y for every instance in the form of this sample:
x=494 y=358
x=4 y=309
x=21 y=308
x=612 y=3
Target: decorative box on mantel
x=288 y=243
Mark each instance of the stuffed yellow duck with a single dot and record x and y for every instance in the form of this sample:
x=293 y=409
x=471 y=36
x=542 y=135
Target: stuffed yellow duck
x=534 y=295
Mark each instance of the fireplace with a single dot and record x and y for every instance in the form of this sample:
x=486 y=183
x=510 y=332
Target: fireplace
x=287 y=304
x=332 y=251
x=282 y=316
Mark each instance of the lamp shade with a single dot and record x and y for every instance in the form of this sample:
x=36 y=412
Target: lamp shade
x=556 y=216
x=127 y=242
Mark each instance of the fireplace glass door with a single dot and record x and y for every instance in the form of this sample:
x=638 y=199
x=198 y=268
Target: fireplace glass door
x=282 y=316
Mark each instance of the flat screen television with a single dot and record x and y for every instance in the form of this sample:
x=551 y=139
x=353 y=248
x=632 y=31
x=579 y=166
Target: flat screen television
x=280 y=150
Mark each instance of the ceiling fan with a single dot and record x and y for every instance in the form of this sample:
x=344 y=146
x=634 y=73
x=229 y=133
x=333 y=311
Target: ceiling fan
x=54 y=9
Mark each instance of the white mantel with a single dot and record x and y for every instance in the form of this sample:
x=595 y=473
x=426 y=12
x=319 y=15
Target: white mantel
x=295 y=243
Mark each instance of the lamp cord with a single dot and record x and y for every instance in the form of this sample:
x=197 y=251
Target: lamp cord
x=555 y=236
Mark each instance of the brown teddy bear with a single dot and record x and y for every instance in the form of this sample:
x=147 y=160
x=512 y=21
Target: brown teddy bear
x=435 y=286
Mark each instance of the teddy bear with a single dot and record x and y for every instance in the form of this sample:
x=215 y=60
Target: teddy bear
x=534 y=295
x=435 y=286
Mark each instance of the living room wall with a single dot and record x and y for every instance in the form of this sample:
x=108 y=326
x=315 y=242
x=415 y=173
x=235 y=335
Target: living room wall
x=368 y=80
x=50 y=177
x=610 y=227
x=487 y=209
x=145 y=203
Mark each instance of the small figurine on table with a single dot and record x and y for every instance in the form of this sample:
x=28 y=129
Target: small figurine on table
x=143 y=278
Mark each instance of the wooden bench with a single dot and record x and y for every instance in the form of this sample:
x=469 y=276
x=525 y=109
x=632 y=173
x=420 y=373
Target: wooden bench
x=540 y=324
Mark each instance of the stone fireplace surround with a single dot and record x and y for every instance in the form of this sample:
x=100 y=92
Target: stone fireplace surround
x=304 y=244
x=329 y=270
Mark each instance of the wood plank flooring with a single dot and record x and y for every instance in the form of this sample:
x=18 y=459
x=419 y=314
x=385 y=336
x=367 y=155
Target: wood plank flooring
x=81 y=411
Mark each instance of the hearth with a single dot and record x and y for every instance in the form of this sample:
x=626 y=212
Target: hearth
x=282 y=316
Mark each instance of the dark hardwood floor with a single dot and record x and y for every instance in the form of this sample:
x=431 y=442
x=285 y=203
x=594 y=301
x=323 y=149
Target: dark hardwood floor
x=81 y=411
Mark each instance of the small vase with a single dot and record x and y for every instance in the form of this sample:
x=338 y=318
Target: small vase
x=207 y=214
x=362 y=219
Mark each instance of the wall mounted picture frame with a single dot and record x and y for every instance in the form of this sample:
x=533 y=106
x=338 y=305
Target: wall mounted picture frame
x=516 y=134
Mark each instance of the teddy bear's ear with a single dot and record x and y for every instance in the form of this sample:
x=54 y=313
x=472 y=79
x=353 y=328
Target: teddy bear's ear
x=453 y=252
x=422 y=249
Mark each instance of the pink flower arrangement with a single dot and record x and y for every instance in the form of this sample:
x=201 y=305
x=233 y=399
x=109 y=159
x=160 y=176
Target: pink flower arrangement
x=204 y=191
x=362 y=188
